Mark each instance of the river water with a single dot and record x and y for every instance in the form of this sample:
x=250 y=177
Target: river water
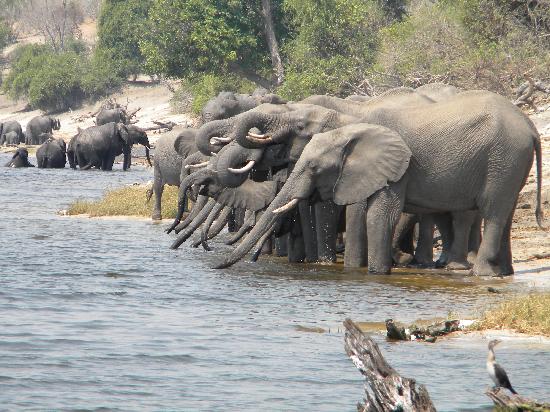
x=101 y=314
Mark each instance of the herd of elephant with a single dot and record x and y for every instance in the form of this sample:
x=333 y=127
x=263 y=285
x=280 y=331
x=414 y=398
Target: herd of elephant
x=311 y=178
x=94 y=147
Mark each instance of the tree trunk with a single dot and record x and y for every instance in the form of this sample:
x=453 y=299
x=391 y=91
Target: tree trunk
x=272 y=43
x=385 y=389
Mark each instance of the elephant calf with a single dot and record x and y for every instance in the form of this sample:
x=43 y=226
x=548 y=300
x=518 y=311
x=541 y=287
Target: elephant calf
x=9 y=139
x=52 y=154
x=20 y=159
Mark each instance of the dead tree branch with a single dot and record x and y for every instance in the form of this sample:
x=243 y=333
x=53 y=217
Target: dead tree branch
x=385 y=389
x=502 y=398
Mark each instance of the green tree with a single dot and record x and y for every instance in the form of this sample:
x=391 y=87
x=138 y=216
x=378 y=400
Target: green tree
x=186 y=37
x=334 y=40
x=120 y=28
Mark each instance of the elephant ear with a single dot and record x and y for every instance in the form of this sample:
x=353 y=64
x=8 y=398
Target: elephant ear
x=123 y=133
x=250 y=195
x=373 y=156
x=185 y=143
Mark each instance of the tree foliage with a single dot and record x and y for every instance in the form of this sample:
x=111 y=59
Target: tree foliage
x=120 y=28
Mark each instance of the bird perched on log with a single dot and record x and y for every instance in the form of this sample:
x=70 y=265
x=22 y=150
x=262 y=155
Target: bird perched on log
x=497 y=372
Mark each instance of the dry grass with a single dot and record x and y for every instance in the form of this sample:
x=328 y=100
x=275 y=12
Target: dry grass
x=126 y=201
x=526 y=314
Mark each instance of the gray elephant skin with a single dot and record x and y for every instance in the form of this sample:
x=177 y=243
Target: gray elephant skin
x=116 y=115
x=9 y=139
x=229 y=104
x=20 y=159
x=11 y=126
x=471 y=152
x=98 y=146
x=52 y=154
x=39 y=125
x=170 y=151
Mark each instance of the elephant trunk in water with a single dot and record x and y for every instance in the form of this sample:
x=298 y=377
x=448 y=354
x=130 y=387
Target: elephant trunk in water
x=199 y=204
x=199 y=177
x=201 y=217
x=264 y=225
x=220 y=214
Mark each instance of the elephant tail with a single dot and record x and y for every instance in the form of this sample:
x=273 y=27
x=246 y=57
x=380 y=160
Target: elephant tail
x=538 y=211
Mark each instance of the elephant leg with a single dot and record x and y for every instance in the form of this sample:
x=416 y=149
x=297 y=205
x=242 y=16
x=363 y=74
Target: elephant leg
x=505 y=254
x=458 y=255
x=355 y=254
x=308 y=225
x=327 y=215
x=402 y=243
x=296 y=244
x=384 y=209
x=158 y=189
x=424 y=254
x=281 y=246
x=107 y=163
x=475 y=239
x=444 y=224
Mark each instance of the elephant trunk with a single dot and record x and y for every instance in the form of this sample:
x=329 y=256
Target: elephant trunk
x=214 y=214
x=234 y=163
x=199 y=177
x=201 y=217
x=147 y=147
x=217 y=128
x=264 y=225
x=266 y=123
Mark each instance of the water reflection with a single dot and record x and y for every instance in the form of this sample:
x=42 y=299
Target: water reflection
x=101 y=314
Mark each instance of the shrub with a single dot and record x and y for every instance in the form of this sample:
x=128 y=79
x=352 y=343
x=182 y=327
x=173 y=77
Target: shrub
x=56 y=81
x=7 y=34
x=126 y=201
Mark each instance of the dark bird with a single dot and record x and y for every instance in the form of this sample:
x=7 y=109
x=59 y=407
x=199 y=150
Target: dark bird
x=497 y=372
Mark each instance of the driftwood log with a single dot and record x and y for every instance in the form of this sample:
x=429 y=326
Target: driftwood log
x=427 y=333
x=385 y=389
x=507 y=401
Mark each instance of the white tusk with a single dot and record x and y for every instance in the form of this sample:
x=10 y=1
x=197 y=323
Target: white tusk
x=290 y=205
x=196 y=165
x=257 y=136
x=244 y=169
x=220 y=140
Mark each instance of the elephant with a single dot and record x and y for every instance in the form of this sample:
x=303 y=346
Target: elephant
x=98 y=146
x=9 y=139
x=473 y=151
x=170 y=150
x=438 y=91
x=52 y=154
x=318 y=223
x=12 y=126
x=229 y=104
x=117 y=115
x=20 y=159
x=38 y=125
x=358 y=98
x=71 y=155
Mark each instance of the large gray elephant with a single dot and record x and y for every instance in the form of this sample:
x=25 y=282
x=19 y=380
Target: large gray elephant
x=9 y=139
x=11 y=126
x=52 y=154
x=229 y=104
x=471 y=152
x=98 y=146
x=170 y=151
x=39 y=125
x=20 y=159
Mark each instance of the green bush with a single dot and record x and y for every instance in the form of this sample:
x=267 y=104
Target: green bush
x=120 y=28
x=7 y=35
x=474 y=44
x=57 y=81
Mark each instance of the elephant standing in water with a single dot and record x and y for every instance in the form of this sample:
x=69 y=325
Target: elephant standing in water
x=20 y=159
x=11 y=126
x=471 y=152
x=98 y=146
x=51 y=155
x=9 y=139
x=38 y=126
x=170 y=152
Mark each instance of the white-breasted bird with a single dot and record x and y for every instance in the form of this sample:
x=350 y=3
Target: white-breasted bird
x=497 y=372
